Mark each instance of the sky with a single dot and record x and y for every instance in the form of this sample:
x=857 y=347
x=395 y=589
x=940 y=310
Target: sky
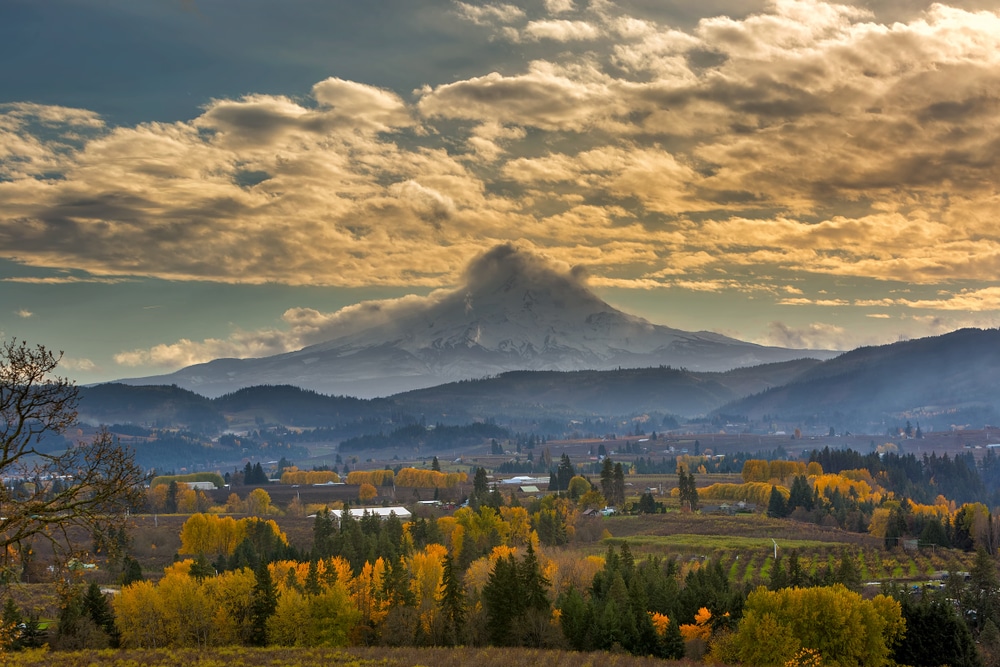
x=187 y=180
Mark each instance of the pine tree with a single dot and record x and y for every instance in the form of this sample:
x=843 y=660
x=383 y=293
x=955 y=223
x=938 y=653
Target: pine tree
x=263 y=603
x=800 y=494
x=576 y=620
x=608 y=480
x=96 y=606
x=565 y=472
x=452 y=602
x=502 y=601
x=673 y=642
x=848 y=573
x=312 y=585
x=688 y=492
x=776 y=507
x=619 y=485
x=533 y=583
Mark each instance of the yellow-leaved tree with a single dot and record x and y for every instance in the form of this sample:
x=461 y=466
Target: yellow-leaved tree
x=837 y=623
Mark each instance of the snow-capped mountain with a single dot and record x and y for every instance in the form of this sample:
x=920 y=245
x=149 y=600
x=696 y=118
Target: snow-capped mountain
x=516 y=312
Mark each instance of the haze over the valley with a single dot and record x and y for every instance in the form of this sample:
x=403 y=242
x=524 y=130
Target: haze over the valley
x=188 y=181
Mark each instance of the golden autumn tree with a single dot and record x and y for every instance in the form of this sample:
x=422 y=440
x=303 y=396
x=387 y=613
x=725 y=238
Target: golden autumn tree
x=840 y=625
x=367 y=493
x=258 y=502
x=139 y=616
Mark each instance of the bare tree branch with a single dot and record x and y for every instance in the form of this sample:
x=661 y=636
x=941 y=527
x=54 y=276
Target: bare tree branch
x=47 y=491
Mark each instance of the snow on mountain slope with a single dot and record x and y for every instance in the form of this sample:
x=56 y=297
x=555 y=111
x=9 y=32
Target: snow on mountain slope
x=515 y=312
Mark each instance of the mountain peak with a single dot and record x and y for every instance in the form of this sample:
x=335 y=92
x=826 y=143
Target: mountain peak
x=515 y=282
x=517 y=310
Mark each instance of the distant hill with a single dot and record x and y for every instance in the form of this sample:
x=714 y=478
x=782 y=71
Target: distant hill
x=295 y=407
x=152 y=406
x=949 y=379
x=599 y=393
x=539 y=394
x=157 y=406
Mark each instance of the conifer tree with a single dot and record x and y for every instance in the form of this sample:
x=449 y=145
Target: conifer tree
x=673 y=642
x=452 y=601
x=502 y=601
x=262 y=605
x=776 y=507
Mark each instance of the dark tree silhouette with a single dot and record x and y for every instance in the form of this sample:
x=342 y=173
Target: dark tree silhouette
x=99 y=481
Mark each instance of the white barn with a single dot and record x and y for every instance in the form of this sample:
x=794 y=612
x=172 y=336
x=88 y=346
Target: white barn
x=384 y=512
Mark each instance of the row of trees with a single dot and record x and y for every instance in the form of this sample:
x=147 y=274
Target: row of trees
x=511 y=597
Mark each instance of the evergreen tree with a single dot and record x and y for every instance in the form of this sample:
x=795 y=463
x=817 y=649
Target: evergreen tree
x=848 y=573
x=11 y=619
x=800 y=494
x=619 y=485
x=263 y=603
x=33 y=635
x=131 y=571
x=934 y=534
x=452 y=602
x=608 y=480
x=982 y=590
x=779 y=577
x=576 y=620
x=776 y=507
x=170 y=505
x=312 y=585
x=533 y=583
x=647 y=504
x=502 y=602
x=480 y=487
x=687 y=490
x=96 y=606
x=796 y=575
x=673 y=642
x=564 y=473
x=935 y=635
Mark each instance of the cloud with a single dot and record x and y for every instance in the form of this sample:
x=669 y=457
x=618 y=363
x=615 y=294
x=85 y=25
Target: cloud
x=561 y=31
x=81 y=364
x=815 y=336
x=969 y=300
x=24 y=313
x=801 y=141
x=548 y=96
x=489 y=14
x=559 y=6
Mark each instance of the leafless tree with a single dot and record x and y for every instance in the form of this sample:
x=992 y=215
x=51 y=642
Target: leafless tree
x=47 y=490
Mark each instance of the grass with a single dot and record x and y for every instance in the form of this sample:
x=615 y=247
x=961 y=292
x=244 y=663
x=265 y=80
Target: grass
x=317 y=657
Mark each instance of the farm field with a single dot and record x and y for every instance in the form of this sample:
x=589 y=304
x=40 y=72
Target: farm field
x=743 y=543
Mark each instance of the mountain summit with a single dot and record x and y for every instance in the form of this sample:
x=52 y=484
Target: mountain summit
x=515 y=312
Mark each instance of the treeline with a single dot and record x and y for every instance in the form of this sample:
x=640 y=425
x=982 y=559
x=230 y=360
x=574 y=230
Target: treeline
x=728 y=464
x=959 y=478
x=484 y=577
x=437 y=437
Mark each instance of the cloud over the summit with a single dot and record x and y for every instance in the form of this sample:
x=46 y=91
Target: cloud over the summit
x=302 y=327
